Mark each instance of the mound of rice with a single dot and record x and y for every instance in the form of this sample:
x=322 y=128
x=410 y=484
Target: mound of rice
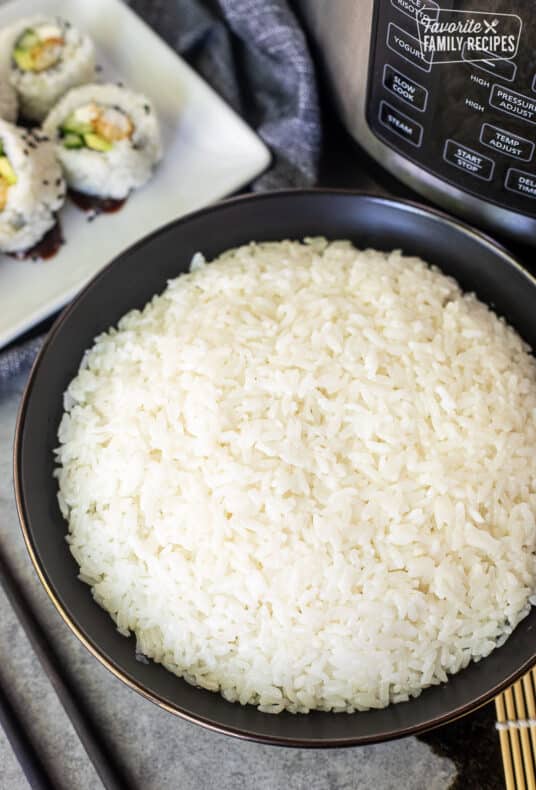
x=304 y=476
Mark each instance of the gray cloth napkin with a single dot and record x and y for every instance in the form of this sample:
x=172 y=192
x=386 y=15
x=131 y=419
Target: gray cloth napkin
x=254 y=54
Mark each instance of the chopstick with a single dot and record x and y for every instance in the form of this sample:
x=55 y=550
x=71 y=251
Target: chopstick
x=87 y=732
x=529 y=687
x=526 y=749
x=505 y=746
x=516 y=724
x=25 y=753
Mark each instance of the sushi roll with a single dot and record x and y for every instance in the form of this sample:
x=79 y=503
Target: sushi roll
x=43 y=58
x=8 y=101
x=107 y=139
x=32 y=188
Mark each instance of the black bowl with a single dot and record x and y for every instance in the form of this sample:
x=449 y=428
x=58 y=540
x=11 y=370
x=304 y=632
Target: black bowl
x=478 y=264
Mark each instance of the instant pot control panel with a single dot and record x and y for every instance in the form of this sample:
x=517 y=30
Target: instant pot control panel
x=442 y=100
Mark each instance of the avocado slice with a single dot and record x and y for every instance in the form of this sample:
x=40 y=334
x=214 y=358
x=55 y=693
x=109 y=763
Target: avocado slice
x=6 y=171
x=23 y=59
x=28 y=40
x=97 y=143
x=70 y=124
x=72 y=140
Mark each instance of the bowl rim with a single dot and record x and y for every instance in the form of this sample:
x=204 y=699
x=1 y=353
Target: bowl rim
x=20 y=494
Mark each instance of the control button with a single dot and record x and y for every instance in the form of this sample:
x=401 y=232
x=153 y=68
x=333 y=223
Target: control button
x=400 y=124
x=412 y=7
x=408 y=90
x=520 y=182
x=468 y=160
x=513 y=103
x=506 y=142
x=407 y=46
x=504 y=69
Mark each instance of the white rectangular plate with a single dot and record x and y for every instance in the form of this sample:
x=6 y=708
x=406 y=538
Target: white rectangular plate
x=209 y=152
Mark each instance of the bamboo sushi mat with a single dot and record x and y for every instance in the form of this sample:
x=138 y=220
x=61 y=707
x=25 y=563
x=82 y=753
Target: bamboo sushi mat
x=516 y=725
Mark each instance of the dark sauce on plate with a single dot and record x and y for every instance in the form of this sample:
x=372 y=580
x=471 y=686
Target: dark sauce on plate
x=44 y=249
x=95 y=204
x=26 y=123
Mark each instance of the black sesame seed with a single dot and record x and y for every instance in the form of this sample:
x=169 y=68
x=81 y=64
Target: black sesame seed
x=147 y=108
x=58 y=182
x=26 y=152
x=98 y=68
x=45 y=182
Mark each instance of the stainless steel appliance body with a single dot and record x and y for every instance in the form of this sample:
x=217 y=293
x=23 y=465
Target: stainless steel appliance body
x=461 y=133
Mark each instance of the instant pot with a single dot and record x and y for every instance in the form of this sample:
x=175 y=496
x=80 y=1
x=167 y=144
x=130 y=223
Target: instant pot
x=443 y=95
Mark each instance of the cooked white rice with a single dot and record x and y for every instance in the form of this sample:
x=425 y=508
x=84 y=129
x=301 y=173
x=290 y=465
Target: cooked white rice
x=39 y=193
x=39 y=92
x=112 y=174
x=304 y=476
x=8 y=100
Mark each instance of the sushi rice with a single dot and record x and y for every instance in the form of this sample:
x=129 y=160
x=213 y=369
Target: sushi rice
x=107 y=139
x=43 y=58
x=304 y=476
x=32 y=188
x=8 y=100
